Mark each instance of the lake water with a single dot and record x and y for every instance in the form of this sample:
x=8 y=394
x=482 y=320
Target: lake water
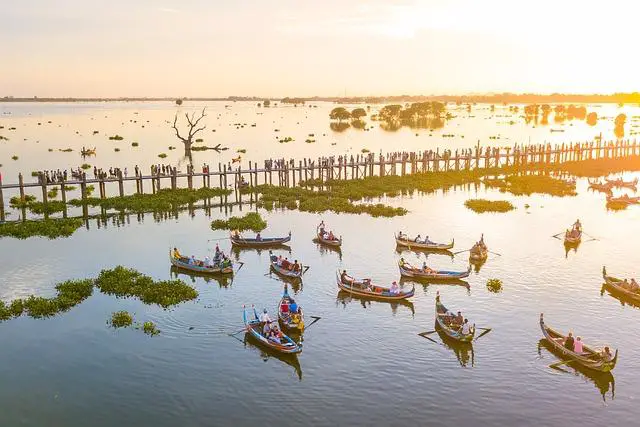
x=363 y=363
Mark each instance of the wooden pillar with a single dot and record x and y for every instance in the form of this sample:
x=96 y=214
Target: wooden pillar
x=102 y=189
x=45 y=198
x=2 y=217
x=189 y=177
x=21 y=185
x=83 y=187
x=120 y=183
x=174 y=178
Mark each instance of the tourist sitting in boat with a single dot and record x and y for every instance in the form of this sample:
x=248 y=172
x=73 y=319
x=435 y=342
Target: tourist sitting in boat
x=426 y=269
x=331 y=236
x=208 y=262
x=236 y=234
x=466 y=327
x=274 y=258
x=577 y=345
x=284 y=307
x=266 y=329
x=402 y=236
x=569 y=342
x=279 y=262
x=176 y=253
x=217 y=249
x=192 y=260
x=265 y=317
x=577 y=225
x=258 y=237
x=295 y=266
x=293 y=307
x=417 y=239
x=285 y=264
x=633 y=286
x=275 y=334
x=394 y=289
x=426 y=240
x=344 y=277
x=459 y=319
x=606 y=355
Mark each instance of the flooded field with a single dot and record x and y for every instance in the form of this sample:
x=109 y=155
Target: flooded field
x=363 y=362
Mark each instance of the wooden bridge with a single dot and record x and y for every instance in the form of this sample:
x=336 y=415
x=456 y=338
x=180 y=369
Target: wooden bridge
x=288 y=173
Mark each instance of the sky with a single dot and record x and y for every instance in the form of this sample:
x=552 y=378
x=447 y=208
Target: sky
x=277 y=48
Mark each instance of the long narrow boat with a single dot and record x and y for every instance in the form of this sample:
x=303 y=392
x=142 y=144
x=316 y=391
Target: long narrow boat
x=284 y=271
x=589 y=358
x=619 y=182
x=254 y=327
x=365 y=288
x=199 y=266
x=335 y=242
x=478 y=254
x=600 y=186
x=616 y=286
x=623 y=200
x=445 y=322
x=404 y=241
x=238 y=240
x=407 y=270
x=573 y=237
x=289 y=319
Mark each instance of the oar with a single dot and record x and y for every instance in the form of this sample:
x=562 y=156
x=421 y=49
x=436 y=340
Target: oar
x=306 y=267
x=486 y=331
x=424 y=335
x=215 y=240
x=459 y=252
x=588 y=235
x=495 y=253
x=315 y=320
x=557 y=364
x=241 y=265
x=557 y=235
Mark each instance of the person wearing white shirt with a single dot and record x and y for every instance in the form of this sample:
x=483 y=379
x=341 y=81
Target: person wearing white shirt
x=466 y=328
x=265 y=317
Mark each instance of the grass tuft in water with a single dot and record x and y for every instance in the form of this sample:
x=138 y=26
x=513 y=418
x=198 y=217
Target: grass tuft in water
x=483 y=205
x=125 y=282
x=494 y=285
x=120 y=319
x=50 y=228
x=150 y=328
x=251 y=221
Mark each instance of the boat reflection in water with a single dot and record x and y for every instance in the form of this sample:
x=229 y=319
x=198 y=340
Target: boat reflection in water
x=569 y=246
x=462 y=350
x=418 y=252
x=224 y=281
x=327 y=249
x=266 y=354
x=604 y=381
x=345 y=298
x=237 y=250
x=426 y=282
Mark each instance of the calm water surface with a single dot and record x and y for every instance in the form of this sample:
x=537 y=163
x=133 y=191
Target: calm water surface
x=363 y=363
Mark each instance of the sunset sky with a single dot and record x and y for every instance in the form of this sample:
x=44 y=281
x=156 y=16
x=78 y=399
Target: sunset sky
x=213 y=48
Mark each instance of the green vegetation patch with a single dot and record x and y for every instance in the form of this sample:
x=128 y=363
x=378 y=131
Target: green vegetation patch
x=525 y=185
x=483 y=205
x=163 y=200
x=251 y=221
x=50 y=228
x=150 y=328
x=120 y=319
x=116 y=138
x=494 y=285
x=124 y=283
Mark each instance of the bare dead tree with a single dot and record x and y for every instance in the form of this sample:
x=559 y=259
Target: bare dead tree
x=192 y=122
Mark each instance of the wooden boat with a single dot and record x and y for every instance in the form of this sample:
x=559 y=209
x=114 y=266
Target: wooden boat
x=615 y=286
x=238 y=240
x=573 y=237
x=478 y=254
x=463 y=350
x=407 y=270
x=619 y=182
x=336 y=242
x=289 y=320
x=589 y=358
x=365 y=288
x=199 y=266
x=404 y=241
x=254 y=328
x=600 y=186
x=285 y=272
x=452 y=330
x=623 y=200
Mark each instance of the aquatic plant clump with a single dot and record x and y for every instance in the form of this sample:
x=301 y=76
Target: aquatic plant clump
x=525 y=185
x=120 y=319
x=150 y=328
x=163 y=200
x=50 y=228
x=124 y=283
x=494 y=285
x=251 y=221
x=483 y=205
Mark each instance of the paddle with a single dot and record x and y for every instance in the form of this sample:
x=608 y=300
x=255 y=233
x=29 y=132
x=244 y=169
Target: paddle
x=588 y=235
x=562 y=362
x=215 y=240
x=459 y=252
x=241 y=265
x=424 y=335
x=315 y=320
x=486 y=331
x=495 y=253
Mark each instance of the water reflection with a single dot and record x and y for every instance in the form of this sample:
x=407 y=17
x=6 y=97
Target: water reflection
x=622 y=298
x=463 y=350
x=426 y=282
x=419 y=251
x=326 y=249
x=568 y=247
x=345 y=298
x=604 y=381
x=237 y=250
x=222 y=281
x=266 y=354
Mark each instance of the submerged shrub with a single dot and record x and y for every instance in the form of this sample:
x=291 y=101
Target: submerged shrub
x=51 y=228
x=483 y=205
x=149 y=328
x=251 y=221
x=494 y=285
x=121 y=319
